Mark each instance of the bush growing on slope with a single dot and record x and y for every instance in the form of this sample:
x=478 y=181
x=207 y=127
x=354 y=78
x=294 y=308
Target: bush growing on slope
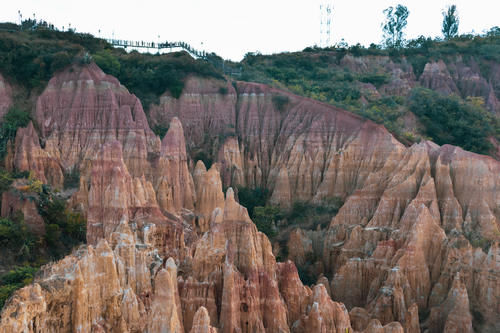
x=12 y=120
x=448 y=120
x=15 y=279
x=64 y=228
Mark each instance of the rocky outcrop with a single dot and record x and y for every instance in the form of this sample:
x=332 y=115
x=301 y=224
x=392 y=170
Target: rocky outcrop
x=113 y=286
x=231 y=163
x=83 y=109
x=299 y=247
x=201 y=322
x=28 y=155
x=5 y=96
x=209 y=195
x=246 y=267
x=460 y=78
x=454 y=314
x=113 y=196
x=80 y=110
x=398 y=251
x=281 y=194
x=208 y=103
x=437 y=77
x=233 y=266
x=174 y=184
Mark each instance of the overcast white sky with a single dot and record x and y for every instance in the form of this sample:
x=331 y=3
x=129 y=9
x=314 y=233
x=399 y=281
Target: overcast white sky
x=232 y=28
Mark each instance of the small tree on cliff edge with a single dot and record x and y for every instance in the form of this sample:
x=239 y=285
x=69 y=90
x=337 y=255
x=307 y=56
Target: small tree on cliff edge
x=450 y=22
x=395 y=22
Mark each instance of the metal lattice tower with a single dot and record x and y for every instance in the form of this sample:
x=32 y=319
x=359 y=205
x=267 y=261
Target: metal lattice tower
x=326 y=17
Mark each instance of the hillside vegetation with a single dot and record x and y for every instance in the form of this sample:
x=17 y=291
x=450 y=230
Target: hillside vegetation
x=386 y=84
x=30 y=57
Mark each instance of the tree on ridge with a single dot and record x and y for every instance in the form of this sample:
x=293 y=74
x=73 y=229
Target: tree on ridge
x=395 y=22
x=450 y=22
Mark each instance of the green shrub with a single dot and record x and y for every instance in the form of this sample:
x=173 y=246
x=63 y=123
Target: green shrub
x=376 y=79
x=223 y=90
x=280 y=102
x=448 y=120
x=161 y=130
x=72 y=179
x=305 y=276
x=304 y=212
x=480 y=242
x=15 y=279
x=64 y=228
x=13 y=232
x=265 y=219
x=107 y=62
x=16 y=238
x=60 y=61
x=6 y=291
x=6 y=180
x=204 y=157
x=53 y=235
x=12 y=120
x=478 y=316
x=251 y=198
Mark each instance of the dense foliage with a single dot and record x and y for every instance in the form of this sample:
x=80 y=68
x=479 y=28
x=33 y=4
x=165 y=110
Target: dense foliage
x=72 y=179
x=12 y=120
x=18 y=242
x=15 y=235
x=450 y=22
x=149 y=76
x=395 y=22
x=448 y=120
x=251 y=198
x=15 y=279
x=64 y=229
x=304 y=214
x=310 y=215
x=265 y=218
x=30 y=57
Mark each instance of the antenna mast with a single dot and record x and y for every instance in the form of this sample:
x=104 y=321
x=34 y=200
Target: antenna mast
x=326 y=17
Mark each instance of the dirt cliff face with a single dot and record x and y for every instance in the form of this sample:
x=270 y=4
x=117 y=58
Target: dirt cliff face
x=412 y=217
x=300 y=147
x=83 y=109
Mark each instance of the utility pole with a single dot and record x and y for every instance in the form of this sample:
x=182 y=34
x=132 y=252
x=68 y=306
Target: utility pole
x=326 y=18
x=20 y=19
